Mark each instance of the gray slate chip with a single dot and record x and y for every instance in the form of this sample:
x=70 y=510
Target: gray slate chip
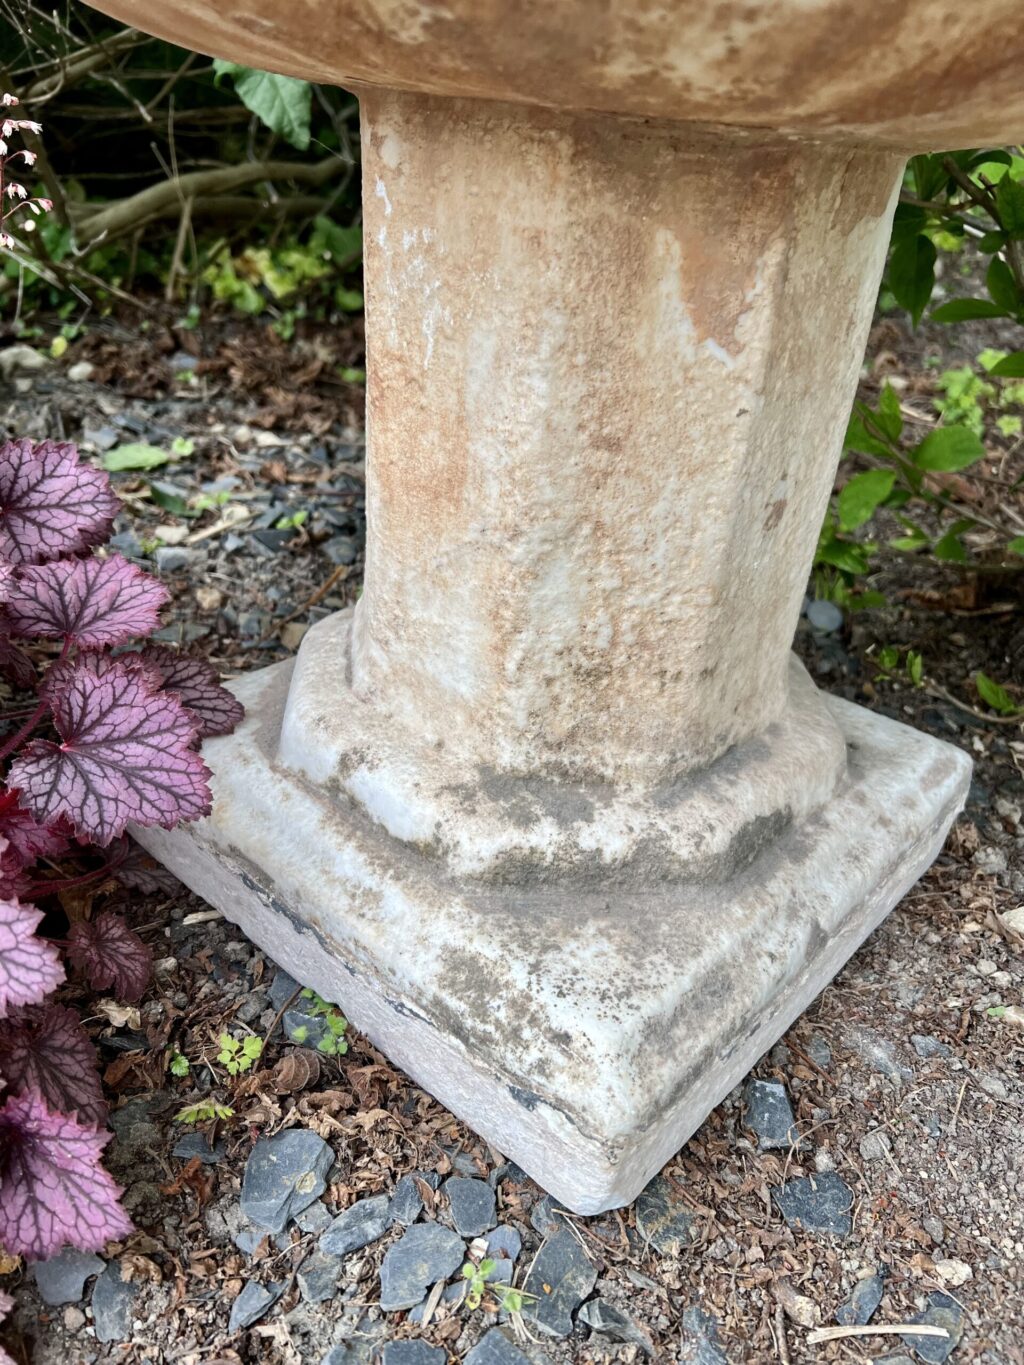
x=406 y=1202
x=860 y=1307
x=472 y=1205
x=603 y=1317
x=824 y=616
x=494 y=1348
x=817 y=1203
x=819 y=1051
x=62 y=1278
x=700 y=1343
x=252 y=1303
x=770 y=1115
x=547 y=1216
x=315 y=1218
x=283 y=1176
x=926 y=1046
x=362 y=1223
x=503 y=1243
x=319 y=1278
x=942 y=1311
x=282 y=988
x=564 y=1267
x=423 y=1255
x=412 y=1353
x=112 y=1301
x=662 y=1218
x=195 y=1144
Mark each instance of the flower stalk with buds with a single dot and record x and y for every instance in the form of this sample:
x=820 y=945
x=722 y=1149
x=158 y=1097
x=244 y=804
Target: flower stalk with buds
x=13 y=195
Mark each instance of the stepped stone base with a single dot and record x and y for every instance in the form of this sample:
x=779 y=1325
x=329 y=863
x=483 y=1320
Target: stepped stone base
x=585 y=1032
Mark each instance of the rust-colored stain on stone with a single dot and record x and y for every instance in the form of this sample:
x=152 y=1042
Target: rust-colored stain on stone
x=911 y=74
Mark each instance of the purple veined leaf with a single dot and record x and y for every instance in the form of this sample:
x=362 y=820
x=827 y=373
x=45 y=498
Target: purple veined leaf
x=6 y=578
x=51 y=504
x=15 y=664
x=29 y=966
x=44 y=1048
x=16 y=882
x=125 y=755
x=92 y=602
x=137 y=870
x=27 y=839
x=110 y=956
x=53 y=1190
x=196 y=684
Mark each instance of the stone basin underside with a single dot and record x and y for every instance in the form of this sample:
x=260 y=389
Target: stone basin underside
x=585 y=1033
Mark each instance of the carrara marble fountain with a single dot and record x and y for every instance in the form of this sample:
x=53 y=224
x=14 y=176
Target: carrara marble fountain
x=554 y=814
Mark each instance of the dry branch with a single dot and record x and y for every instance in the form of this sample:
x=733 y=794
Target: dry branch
x=93 y=222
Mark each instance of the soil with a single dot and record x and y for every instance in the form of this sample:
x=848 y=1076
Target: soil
x=931 y=1146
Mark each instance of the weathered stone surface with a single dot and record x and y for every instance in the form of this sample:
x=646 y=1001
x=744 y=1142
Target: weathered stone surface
x=928 y=1047
x=315 y=1218
x=547 y=1216
x=62 y=1278
x=425 y=1254
x=818 y=1203
x=862 y=1304
x=283 y=1175
x=603 y=1317
x=700 y=936
x=253 y=1303
x=663 y=1219
x=407 y=1202
x=112 y=1301
x=942 y=1311
x=472 y=1205
x=412 y=1353
x=561 y=1277
x=319 y=1277
x=503 y=1243
x=357 y=1226
x=770 y=1115
x=700 y=1342
x=494 y=1348
x=196 y=1144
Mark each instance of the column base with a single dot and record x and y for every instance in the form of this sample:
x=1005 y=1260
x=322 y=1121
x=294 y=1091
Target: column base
x=585 y=1032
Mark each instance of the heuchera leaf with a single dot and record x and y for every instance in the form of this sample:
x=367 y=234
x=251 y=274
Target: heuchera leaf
x=45 y=1048
x=27 y=839
x=53 y=1190
x=125 y=754
x=134 y=868
x=51 y=504
x=29 y=967
x=198 y=688
x=6 y=578
x=92 y=602
x=15 y=664
x=110 y=956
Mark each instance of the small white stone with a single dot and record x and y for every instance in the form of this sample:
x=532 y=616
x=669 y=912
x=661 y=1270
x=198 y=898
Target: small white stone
x=954 y=1272
x=80 y=371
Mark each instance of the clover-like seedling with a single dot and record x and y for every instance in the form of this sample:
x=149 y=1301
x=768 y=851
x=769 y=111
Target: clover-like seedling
x=238 y=1055
x=203 y=1112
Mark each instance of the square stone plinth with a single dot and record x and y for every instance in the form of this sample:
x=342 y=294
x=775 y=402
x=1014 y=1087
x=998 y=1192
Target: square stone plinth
x=585 y=1034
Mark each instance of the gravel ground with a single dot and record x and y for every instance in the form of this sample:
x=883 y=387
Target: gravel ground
x=897 y=1184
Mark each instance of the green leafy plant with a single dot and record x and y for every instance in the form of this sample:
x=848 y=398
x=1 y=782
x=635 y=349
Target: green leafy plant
x=893 y=664
x=995 y=695
x=293 y=521
x=283 y=103
x=238 y=1054
x=333 y=1044
x=478 y=1281
x=179 y=1065
x=900 y=482
x=203 y=1111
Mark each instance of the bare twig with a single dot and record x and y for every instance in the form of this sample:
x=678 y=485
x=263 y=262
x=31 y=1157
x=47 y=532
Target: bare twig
x=895 y=1329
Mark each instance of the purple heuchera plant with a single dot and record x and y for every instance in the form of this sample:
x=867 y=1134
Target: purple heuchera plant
x=112 y=739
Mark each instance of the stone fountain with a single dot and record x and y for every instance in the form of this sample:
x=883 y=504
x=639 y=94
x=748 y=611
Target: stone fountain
x=554 y=813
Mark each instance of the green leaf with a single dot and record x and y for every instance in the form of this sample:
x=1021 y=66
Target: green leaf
x=912 y=274
x=991 y=241
x=845 y=555
x=947 y=449
x=994 y=695
x=1010 y=205
x=949 y=548
x=281 y=102
x=964 y=310
x=171 y=502
x=1001 y=286
x=915 y=667
x=135 y=456
x=1010 y=367
x=862 y=495
x=859 y=438
x=182 y=446
x=1016 y=546
x=889 y=417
